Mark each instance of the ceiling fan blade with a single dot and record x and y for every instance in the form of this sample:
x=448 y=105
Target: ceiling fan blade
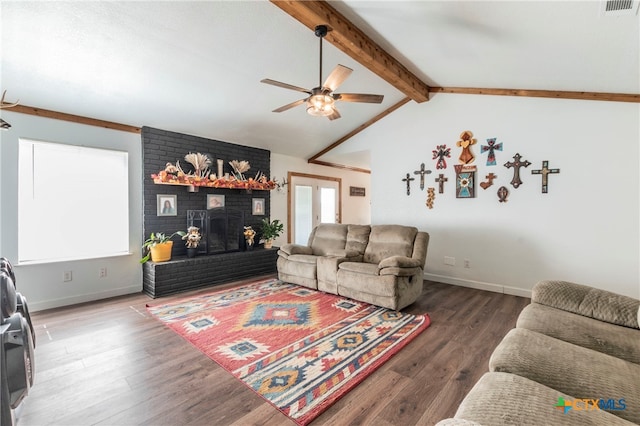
x=285 y=85
x=335 y=115
x=358 y=97
x=289 y=106
x=337 y=77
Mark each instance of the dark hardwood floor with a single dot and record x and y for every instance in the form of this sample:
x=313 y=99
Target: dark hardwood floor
x=110 y=363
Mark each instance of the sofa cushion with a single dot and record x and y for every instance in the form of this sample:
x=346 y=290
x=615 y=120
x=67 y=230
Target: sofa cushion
x=360 y=268
x=327 y=237
x=571 y=369
x=588 y=301
x=611 y=339
x=389 y=240
x=507 y=399
x=357 y=238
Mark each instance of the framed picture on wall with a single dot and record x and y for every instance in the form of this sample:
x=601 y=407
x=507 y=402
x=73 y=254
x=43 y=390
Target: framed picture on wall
x=214 y=201
x=167 y=205
x=257 y=208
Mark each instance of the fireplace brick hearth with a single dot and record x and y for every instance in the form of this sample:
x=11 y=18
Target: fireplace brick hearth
x=182 y=273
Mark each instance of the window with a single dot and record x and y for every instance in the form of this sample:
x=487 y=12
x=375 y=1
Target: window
x=73 y=202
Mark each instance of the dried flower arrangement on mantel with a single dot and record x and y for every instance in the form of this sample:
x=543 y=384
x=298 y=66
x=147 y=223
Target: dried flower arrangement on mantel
x=173 y=174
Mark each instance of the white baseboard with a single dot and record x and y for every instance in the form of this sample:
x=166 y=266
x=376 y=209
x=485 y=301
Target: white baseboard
x=496 y=288
x=82 y=298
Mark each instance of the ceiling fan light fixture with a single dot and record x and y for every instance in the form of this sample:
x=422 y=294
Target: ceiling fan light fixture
x=320 y=105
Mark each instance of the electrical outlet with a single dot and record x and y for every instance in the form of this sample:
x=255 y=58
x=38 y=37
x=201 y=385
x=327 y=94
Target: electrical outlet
x=103 y=272
x=67 y=276
x=467 y=263
x=450 y=261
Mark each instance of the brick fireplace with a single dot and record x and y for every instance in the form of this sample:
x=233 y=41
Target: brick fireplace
x=214 y=264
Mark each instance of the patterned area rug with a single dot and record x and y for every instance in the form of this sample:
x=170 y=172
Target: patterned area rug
x=298 y=348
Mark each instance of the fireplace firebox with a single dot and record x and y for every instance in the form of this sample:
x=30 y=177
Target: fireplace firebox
x=221 y=229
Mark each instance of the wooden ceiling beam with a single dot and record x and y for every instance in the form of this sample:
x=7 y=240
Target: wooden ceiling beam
x=344 y=35
x=554 y=94
x=40 y=112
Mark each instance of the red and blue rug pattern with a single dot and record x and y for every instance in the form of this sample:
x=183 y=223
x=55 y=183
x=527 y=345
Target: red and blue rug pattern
x=298 y=348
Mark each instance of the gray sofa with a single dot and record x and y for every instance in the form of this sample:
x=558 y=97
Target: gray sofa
x=379 y=264
x=573 y=359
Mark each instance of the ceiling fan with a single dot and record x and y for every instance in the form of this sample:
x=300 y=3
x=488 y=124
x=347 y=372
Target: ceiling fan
x=321 y=99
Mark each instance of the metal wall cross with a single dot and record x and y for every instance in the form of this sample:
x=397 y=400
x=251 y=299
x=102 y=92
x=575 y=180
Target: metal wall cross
x=545 y=171
x=516 y=164
x=491 y=147
x=408 y=179
x=422 y=172
x=440 y=153
x=441 y=180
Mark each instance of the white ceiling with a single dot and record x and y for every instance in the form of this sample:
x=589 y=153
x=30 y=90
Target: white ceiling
x=195 y=67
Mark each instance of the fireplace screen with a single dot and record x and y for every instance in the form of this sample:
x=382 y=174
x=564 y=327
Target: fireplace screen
x=221 y=229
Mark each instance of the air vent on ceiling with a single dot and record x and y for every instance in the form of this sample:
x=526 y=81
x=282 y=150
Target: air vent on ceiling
x=619 y=7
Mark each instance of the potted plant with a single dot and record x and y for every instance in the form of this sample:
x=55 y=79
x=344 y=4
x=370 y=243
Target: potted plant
x=158 y=246
x=270 y=230
x=192 y=240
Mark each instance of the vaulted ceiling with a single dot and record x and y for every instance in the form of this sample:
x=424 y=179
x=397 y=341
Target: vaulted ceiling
x=195 y=67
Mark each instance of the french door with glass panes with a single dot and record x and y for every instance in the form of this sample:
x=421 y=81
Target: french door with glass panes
x=314 y=200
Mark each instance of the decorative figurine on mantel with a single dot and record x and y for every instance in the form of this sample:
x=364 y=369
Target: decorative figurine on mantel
x=545 y=171
x=465 y=142
x=422 y=172
x=516 y=164
x=202 y=176
x=408 y=179
x=249 y=235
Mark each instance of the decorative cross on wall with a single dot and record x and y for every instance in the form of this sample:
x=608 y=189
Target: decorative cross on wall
x=516 y=164
x=422 y=172
x=408 y=179
x=440 y=153
x=491 y=147
x=465 y=142
x=490 y=177
x=430 y=197
x=441 y=180
x=545 y=171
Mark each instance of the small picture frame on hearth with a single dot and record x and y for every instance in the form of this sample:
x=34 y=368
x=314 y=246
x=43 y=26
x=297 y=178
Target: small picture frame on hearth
x=167 y=205
x=215 y=201
x=257 y=207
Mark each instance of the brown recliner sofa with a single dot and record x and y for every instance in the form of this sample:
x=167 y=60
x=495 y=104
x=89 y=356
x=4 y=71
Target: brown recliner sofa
x=573 y=359
x=379 y=264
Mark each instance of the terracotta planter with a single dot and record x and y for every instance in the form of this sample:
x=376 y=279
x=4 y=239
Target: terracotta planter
x=268 y=244
x=161 y=252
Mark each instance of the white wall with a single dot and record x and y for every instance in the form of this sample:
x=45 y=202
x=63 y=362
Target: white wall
x=354 y=209
x=585 y=229
x=42 y=284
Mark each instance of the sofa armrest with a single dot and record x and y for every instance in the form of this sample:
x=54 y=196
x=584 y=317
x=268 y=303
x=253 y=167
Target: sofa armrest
x=588 y=301
x=295 y=249
x=399 y=262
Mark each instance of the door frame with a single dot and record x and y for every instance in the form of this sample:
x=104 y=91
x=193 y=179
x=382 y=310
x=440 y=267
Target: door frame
x=311 y=176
